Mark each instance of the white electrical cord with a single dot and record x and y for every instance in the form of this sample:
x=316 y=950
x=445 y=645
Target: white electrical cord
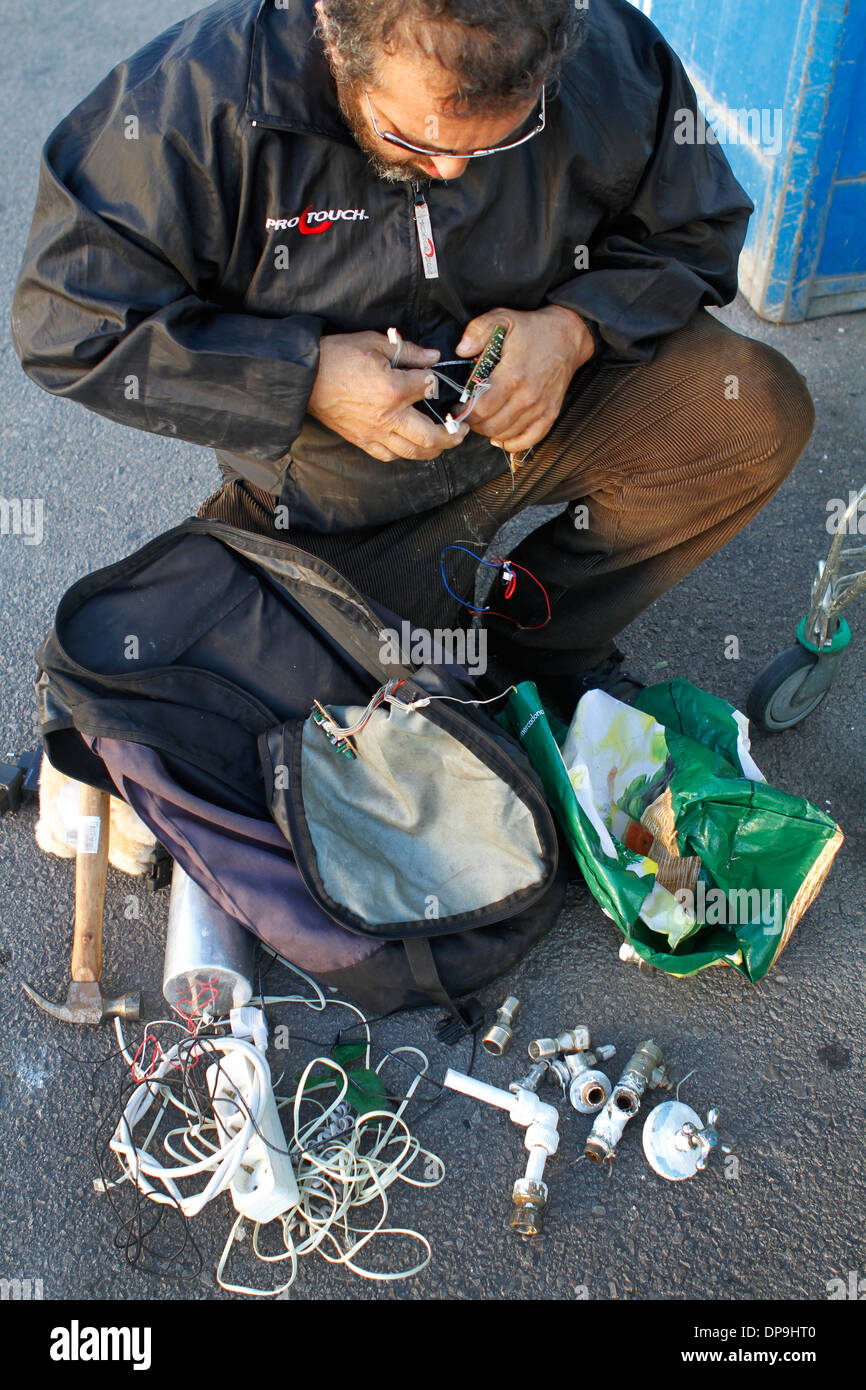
x=222 y=1164
x=336 y=1176
x=339 y=1178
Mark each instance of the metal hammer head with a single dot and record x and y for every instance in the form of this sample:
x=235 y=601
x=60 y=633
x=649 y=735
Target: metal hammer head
x=85 y=1003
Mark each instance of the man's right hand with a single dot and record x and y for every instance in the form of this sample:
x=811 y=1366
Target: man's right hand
x=360 y=396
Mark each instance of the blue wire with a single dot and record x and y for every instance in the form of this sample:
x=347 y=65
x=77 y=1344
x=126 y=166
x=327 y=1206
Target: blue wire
x=494 y=564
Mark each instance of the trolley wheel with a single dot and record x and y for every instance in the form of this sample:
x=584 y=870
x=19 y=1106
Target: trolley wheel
x=773 y=702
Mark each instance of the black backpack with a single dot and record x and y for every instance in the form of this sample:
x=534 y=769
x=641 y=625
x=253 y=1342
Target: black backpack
x=209 y=647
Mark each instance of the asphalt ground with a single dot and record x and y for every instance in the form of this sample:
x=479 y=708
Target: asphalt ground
x=783 y=1059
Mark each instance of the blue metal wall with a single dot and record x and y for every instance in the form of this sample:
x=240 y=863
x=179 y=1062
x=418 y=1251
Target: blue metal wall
x=805 y=60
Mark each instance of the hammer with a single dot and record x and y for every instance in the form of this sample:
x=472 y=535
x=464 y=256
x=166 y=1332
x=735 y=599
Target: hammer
x=85 y=1002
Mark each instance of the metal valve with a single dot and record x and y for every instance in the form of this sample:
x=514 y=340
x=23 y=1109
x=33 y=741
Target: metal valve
x=645 y=1070
x=500 y=1035
x=676 y=1142
x=573 y=1040
x=586 y=1088
x=705 y=1139
x=532 y=1080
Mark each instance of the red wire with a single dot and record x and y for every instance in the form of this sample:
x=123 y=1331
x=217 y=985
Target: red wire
x=512 y=584
x=138 y=1072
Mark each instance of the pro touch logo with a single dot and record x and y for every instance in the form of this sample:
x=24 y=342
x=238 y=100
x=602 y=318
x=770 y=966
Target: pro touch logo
x=314 y=223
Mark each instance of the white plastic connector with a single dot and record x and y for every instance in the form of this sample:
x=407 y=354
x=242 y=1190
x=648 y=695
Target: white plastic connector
x=540 y=1120
x=264 y=1184
x=250 y=1025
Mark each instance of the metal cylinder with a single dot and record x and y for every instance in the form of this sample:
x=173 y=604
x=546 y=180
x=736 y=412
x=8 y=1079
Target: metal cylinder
x=573 y=1040
x=498 y=1039
x=209 y=956
x=529 y=1200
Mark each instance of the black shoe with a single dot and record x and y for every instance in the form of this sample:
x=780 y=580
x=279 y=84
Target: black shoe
x=561 y=693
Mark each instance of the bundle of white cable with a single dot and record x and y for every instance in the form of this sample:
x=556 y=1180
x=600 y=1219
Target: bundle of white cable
x=336 y=1176
x=222 y=1163
x=346 y=1173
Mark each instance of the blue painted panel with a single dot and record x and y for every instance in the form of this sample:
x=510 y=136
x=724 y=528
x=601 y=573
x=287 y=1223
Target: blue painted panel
x=807 y=58
x=853 y=161
x=752 y=172
x=844 y=250
x=741 y=50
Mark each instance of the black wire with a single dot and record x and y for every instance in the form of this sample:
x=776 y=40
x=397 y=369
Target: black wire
x=136 y=1217
x=354 y=1027
x=447 y=1089
x=385 y=1052
x=444 y=1090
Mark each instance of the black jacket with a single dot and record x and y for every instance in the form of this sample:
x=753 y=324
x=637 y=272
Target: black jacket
x=154 y=289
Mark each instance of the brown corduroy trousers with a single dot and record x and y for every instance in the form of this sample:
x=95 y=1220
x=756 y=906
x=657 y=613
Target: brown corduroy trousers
x=660 y=464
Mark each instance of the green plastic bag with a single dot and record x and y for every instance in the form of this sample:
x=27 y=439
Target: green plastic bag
x=764 y=854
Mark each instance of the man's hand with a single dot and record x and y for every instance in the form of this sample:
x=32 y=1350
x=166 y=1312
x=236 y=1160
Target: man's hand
x=542 y=351
x=359 y=395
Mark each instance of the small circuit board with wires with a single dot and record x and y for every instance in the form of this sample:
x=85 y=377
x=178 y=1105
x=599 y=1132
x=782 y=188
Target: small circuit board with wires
x=476 y=384
x=483 y=365
x=342 y=736
x=337 y=739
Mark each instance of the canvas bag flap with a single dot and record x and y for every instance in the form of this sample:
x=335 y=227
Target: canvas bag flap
x=431 y=830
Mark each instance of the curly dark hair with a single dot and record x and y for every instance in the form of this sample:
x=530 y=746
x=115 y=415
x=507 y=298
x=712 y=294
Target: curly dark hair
x=499 y=51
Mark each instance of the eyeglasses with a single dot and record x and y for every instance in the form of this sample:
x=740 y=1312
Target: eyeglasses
x=452 y=154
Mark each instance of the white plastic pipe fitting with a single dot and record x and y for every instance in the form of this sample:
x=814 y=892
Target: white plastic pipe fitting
x=541 y=1122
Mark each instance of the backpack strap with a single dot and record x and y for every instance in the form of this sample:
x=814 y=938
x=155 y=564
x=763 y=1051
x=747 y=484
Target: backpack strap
x=422 y=963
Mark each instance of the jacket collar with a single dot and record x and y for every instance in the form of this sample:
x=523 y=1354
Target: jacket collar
x=290 y=84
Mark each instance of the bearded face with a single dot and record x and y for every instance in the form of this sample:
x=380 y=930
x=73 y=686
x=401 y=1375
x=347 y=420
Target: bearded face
x=399 y=168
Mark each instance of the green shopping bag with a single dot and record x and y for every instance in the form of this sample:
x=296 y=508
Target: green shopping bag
x=681 y=757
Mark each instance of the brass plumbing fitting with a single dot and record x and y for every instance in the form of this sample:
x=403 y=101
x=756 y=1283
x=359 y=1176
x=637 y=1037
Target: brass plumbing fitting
x=500 y=1036
x=587 y=1089
x=574 y=1040
x=644 y=1070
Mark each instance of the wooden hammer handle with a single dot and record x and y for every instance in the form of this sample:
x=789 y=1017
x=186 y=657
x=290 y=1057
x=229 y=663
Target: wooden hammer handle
x=91 y=862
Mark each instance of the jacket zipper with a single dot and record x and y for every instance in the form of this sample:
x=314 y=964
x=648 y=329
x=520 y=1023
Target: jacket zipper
x=427 y=248
x=424 y=228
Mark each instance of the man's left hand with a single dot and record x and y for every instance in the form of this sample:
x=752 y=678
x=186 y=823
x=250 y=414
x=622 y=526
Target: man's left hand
x=543 y=349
